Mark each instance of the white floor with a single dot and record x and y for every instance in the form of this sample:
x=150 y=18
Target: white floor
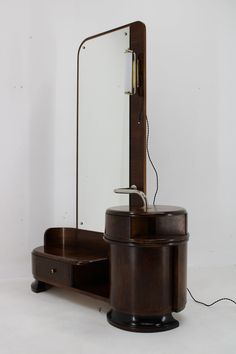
x=64 y=322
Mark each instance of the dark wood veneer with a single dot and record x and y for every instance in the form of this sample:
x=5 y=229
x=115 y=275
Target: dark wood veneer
x=72 y=258
x=138 y=115
x=140 y=265
x=148 y=266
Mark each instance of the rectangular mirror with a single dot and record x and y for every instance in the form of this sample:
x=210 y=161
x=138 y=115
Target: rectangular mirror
x=111 y=114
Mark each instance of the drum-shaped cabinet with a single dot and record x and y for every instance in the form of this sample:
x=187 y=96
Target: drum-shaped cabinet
x=148 y=266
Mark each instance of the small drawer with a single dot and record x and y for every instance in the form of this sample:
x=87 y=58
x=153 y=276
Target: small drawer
x=51 y=271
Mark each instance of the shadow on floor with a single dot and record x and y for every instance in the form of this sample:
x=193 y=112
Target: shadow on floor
x=79 y=298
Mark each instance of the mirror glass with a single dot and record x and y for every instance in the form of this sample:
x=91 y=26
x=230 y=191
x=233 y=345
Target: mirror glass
x=103 y=126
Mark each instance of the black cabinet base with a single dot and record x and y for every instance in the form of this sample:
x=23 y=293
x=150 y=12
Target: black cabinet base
x=141 y=323
x=38 y=286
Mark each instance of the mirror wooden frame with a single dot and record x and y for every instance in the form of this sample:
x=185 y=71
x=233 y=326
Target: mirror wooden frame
x=137 y=115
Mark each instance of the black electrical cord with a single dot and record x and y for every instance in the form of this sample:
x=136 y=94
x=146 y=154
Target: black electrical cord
x=154 y=200
x=211 y=304
x=151 y=162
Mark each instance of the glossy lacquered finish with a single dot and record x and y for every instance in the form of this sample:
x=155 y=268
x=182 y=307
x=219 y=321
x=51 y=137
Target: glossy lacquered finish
x=148 y=263
x=140 y=265
x=136 y=323
x=72 y=258
x=138 y=115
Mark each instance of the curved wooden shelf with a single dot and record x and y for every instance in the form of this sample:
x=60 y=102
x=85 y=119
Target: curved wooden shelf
x=72 y=258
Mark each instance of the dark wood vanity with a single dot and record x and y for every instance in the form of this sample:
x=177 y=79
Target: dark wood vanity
x=139 y=263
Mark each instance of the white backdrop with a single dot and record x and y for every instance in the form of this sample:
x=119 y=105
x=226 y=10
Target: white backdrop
x=191 y=107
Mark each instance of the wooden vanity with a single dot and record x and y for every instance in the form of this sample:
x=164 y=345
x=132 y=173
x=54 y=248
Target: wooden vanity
x=132 y=256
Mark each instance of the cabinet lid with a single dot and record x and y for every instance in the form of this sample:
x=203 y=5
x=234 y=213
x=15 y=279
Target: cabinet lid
x=159 y=224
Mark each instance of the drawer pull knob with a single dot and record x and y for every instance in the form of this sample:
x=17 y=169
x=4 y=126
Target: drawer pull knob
x=53 y=270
